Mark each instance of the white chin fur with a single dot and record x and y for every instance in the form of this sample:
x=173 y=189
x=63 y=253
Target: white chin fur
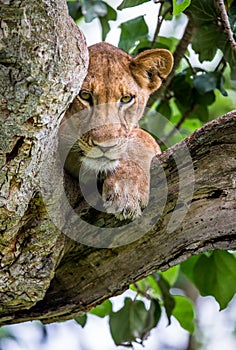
x=100 y=164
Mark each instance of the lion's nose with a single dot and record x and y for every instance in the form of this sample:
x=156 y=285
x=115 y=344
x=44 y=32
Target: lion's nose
x=105 y=146
x=105 y=149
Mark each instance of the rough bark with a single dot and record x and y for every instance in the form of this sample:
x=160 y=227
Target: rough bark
x=38 y=79
x=44 y=273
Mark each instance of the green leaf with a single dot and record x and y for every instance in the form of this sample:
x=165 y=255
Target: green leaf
x=203 y=12
x=169 y=43
x=153 y=286
x=164 y=109
x=171 y=274
x=183 y=90
x=93 y=9
x=130 y=3
x=103 y=309
x=111 y=15
x=233 y=72
x=208 y=81
x=126 y=324
x=167 y=298
x=180 y=5
x=232 y=17
x=209 y=35
x=190 y=125
x=133 y=321
x=228 y=52
x=152 y=318
x=74 y=9
x=204 y=42
x=147 y=285
x=154 y=123
x=199 y=112
x=81 y=320
x=205 y=99
x=132 y=32
x=184 y=312
x=187 y=267
x=216 y=275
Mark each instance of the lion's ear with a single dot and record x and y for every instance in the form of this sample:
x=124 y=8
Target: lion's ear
x=150 y=67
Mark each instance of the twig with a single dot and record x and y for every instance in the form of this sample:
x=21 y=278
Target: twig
x=141 y=292
x=158 y=25
x=225 y=22
x=193 y=70
x=191 y=343
x=223 y=63
x=160 y=19
x=183 y=44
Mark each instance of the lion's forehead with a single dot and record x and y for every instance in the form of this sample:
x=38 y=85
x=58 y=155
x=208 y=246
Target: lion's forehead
x=110 y=84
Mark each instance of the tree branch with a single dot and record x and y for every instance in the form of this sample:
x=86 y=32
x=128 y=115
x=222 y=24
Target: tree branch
x=86 y=275
x=160 y=19
x=222 y=13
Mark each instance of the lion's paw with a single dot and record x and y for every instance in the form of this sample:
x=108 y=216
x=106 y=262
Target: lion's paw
x=125 y=192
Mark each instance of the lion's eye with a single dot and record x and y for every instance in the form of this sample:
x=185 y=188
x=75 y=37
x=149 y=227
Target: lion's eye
x=126 y=99
x=85 y=95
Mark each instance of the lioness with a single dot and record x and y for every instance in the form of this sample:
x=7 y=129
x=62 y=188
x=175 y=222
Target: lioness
x=107 y=109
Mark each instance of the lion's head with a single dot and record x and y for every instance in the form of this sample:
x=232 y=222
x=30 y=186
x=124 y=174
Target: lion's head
x=112 y=100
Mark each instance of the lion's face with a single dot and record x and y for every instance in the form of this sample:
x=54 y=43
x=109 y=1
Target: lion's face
x=112 y=100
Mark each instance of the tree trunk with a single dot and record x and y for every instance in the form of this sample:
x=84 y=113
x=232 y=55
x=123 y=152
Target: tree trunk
x=38 y=80
x=58 y=263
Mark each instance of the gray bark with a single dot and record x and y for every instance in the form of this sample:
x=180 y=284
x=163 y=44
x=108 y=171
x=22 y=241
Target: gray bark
x=51 y=276
x=38 y=80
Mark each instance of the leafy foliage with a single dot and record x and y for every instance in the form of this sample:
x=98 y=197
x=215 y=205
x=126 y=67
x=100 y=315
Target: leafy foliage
x=89 y=10
x=214 y=274
x=211 y=36
x=180 y=5
x=130 y=3
x=191 y=97
x=133 y=32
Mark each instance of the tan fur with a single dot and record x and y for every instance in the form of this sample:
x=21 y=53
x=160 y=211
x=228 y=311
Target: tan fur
x=109 y=139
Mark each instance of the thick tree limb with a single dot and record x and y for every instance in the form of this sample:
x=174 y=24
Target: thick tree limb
x=86 y=275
